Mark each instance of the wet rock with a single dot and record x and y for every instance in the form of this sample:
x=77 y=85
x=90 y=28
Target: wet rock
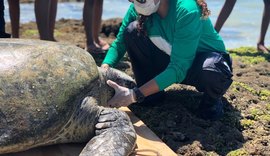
x=178 y=136
x=239 y=74
x=195 y=149
x=264 y=142
x=111 y=27
x=242 y=65
x=170 y=123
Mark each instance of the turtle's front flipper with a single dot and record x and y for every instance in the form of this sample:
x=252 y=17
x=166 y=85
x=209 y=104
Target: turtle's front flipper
x=115 y=135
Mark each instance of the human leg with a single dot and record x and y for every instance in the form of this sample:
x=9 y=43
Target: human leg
x=98 y=7
x=45 y=11
x=146 y=59
x=2 y=19
x=52 y=18
x=3 y=33
x=224 y=14
x=264 y=27
x=88 y=18
x=14 y=11
x=211 y=74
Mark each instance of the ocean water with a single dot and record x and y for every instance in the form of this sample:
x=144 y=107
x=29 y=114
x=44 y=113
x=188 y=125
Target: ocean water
x=241 y=29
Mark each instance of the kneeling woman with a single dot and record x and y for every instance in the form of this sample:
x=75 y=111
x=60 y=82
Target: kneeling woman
x=171 y=41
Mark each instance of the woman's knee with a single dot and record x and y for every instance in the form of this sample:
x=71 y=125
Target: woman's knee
x=215 y=84
x=216 y=75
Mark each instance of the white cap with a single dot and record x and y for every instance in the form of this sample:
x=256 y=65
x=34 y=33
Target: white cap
x=146 y=7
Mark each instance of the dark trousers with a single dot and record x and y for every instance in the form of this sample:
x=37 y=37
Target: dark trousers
x=210 y=73
x=2 y=20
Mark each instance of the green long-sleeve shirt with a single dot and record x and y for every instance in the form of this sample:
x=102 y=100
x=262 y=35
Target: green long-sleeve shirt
x=181 y=34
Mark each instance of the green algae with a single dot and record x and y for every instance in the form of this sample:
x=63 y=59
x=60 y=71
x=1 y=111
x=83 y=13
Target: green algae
x=239 y=152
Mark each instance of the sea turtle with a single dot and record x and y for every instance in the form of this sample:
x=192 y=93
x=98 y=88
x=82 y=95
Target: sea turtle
x=53 y=93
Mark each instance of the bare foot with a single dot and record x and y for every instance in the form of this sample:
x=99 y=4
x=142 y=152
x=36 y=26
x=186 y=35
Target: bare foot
x=92 y=49
x=262 y=48
x=103 y=45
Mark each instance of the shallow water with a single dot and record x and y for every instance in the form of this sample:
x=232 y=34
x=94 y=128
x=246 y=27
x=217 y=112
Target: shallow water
x=241 y=29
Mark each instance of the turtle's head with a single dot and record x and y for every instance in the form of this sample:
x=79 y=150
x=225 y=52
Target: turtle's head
x=117 y=76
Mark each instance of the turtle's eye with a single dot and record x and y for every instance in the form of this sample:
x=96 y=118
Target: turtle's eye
x=141 y=1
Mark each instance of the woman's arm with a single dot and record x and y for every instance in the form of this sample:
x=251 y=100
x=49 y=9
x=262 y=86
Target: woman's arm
x=118 y=49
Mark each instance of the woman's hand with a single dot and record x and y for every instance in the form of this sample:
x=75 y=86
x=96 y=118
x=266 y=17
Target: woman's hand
x=105 y=66
x=123 y=96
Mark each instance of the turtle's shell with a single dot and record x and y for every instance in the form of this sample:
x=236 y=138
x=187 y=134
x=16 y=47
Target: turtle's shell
x=39 y=82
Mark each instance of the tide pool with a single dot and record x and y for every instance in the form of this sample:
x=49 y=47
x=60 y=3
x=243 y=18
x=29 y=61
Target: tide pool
x=241 y=29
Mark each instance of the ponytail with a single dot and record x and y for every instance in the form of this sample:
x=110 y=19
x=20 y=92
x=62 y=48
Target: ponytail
x=141 y=27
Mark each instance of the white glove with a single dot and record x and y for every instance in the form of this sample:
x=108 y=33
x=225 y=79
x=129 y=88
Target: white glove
x=123 y=96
